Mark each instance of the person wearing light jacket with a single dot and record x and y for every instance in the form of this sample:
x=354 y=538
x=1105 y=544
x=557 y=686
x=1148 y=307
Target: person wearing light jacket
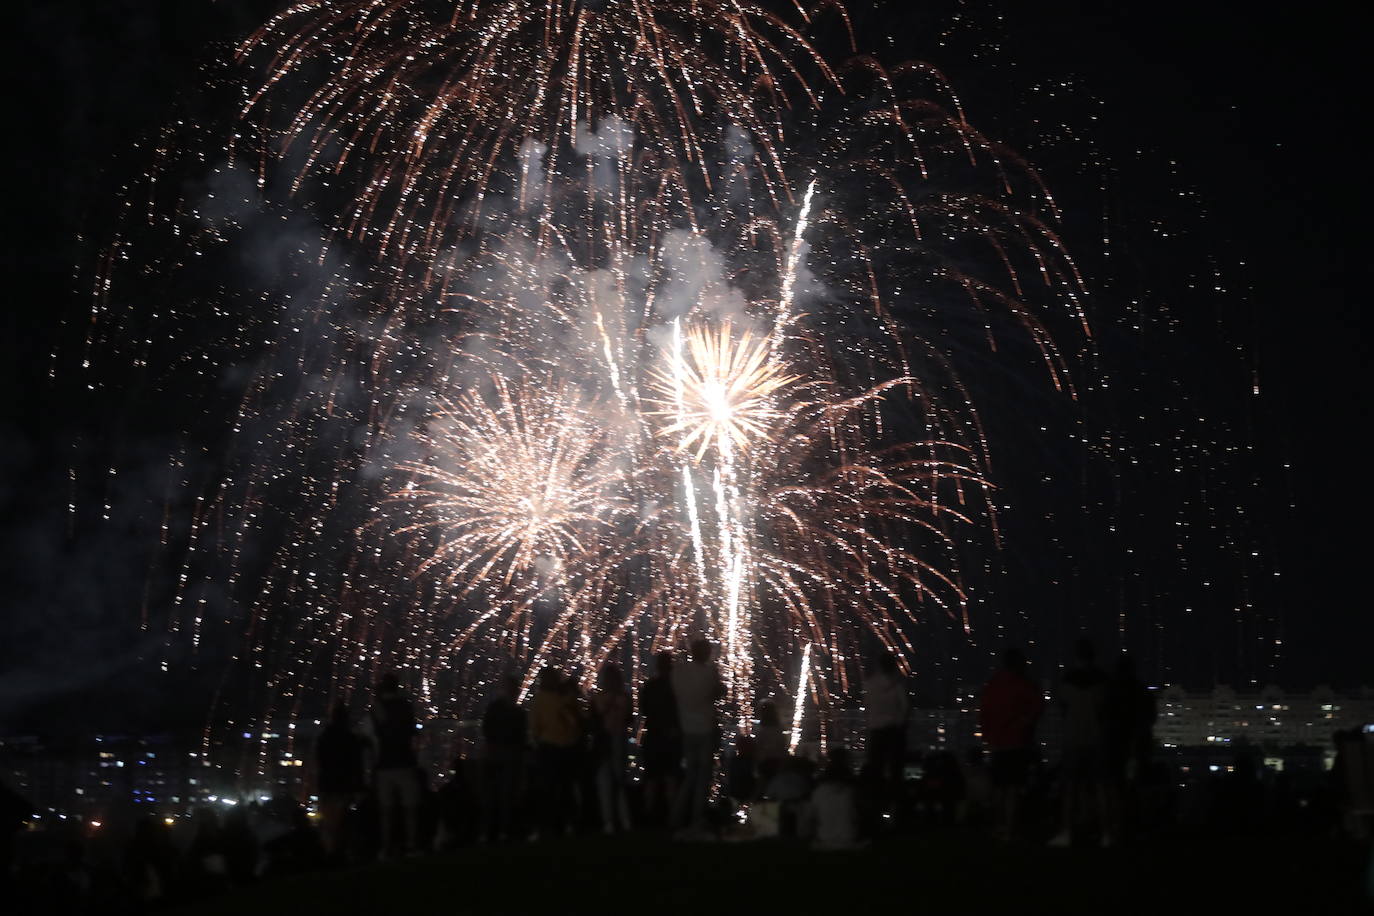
x=886 y=701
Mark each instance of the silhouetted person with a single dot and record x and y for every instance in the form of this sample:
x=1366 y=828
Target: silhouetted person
x=207 y=861
x=1352 y=776
x=610 y=736
x=458 y=819
x=771 y=743
x=505 y=730
x=1083 y=699
x=296 y=848
x=1008 y=713
x=240 y=845
x=978 y=793
x=396 y=774
x=151 y=860
x=833 y=815
x=792 y=790
x=556 y=727
x=341 y=758
x=661 y=744
x=697 y=687
x=71 y=886
x=14 y=810
x=1129 y=722
x=886 y=701
x=1128 y=736
x=942 y=788
x=741 y=777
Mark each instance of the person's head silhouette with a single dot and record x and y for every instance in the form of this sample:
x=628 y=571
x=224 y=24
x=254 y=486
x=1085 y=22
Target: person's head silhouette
x=837 y=763
x=1014 y=660
x=609 y=677
x=1084 y=652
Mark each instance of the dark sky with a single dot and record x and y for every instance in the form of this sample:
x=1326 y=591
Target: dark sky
x=1209 y=144
x=1253 y=113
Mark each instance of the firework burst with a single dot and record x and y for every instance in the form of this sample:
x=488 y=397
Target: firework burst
x=513 y=482
x=425 y=101
x=670 y=308
x=721 y=392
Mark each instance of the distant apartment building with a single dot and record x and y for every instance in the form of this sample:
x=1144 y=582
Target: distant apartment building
x=1268 y=719
x=88 y=777
x=928 y=728
x=1194 y=728
x=1218 y=719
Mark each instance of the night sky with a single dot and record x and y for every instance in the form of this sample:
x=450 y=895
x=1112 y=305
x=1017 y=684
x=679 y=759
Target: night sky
x=1213 y=151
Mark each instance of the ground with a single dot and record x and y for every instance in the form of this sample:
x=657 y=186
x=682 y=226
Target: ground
x=946 y=872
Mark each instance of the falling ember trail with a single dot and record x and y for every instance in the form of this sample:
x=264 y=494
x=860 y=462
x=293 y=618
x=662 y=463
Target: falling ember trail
x=800 y=703
x=789 y=277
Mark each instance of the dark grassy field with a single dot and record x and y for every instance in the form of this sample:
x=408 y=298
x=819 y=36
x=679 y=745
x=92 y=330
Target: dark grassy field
x=938 y=873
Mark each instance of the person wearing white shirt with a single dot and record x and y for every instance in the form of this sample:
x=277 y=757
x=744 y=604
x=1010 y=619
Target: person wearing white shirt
x=833 y=815
x=697 y=687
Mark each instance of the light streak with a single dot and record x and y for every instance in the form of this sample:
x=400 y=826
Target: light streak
x=799 y=704
x=789 y=277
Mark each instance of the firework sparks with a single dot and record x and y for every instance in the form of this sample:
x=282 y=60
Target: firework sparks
x=799 y=702
x=722 y=391
x=588 y=227
x=512 y=484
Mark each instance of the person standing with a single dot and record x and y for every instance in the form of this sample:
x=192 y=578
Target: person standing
x=504 y=728
x=611 y=721
x=556 y=727
x=1083 y=699
x=1128 y=737
x=1008 y=713
x=341 y=761
x=697 y=686
x=396 y=776
x=741 y=784
x=662 y=740
x=886 y=700
x=1130 y=722
x=771 y=742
